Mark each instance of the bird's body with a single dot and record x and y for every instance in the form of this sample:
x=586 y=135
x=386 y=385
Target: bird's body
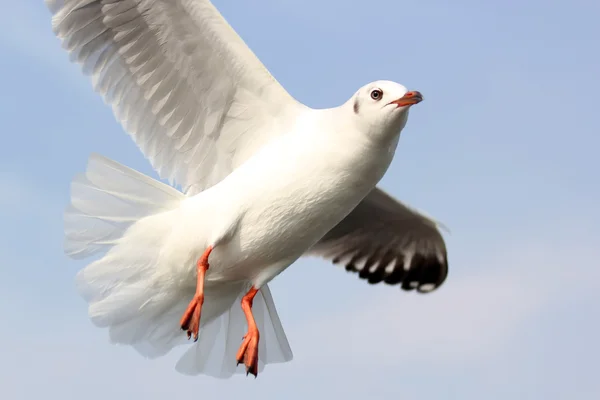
x=265 y=181
x=273 y=208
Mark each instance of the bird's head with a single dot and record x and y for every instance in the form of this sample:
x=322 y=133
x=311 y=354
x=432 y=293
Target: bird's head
x=381 y=108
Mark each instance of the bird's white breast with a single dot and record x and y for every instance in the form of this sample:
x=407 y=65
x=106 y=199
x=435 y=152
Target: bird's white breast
x=290 y=193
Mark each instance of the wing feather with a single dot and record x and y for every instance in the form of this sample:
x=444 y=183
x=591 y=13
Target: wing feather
x=382 y=240
x=182 y=83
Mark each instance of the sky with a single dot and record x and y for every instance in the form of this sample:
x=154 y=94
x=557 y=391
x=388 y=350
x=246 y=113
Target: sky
x=503 y=151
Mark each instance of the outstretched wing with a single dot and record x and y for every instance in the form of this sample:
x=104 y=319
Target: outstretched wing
x=385 y=241
x=182 y=83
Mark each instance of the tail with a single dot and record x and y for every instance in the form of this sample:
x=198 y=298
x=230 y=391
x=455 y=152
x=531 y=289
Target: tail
x=128 y=215
x=107 y=200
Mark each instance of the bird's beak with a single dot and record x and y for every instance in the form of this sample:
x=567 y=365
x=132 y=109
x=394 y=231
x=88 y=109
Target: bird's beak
x=409 y=99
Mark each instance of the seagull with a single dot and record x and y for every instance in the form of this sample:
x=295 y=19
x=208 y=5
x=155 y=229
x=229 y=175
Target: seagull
x=256 y=180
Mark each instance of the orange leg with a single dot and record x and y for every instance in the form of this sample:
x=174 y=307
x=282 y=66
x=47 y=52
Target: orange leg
x=248 y=352
x=190 y=321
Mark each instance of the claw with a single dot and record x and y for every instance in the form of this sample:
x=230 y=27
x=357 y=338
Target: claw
x=190 y=321
x=248 y=353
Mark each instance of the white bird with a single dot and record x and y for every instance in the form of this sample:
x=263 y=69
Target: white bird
x=265 y=180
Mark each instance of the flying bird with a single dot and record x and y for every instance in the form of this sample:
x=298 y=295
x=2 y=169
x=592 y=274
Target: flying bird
x=264 y=181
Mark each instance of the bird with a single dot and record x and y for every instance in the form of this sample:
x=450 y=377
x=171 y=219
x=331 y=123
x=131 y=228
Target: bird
x=255 y=181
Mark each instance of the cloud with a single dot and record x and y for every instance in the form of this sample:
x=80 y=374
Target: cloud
x=472 y=318
x=469 y=319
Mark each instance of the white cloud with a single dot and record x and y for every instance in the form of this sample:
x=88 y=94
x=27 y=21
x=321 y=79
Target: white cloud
x=470 y=319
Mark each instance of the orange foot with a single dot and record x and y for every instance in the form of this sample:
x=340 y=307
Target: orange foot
x=248 y=352
x=190 y=321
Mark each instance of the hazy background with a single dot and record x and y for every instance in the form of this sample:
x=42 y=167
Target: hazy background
x=504 y=151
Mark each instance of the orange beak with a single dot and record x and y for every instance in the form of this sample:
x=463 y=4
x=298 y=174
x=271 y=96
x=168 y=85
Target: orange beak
x=409 y=99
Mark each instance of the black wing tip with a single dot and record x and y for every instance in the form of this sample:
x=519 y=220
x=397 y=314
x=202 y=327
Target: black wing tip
x=424 y=274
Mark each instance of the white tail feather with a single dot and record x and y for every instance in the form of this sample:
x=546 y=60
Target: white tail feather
x=118 y=209
x=106 y=200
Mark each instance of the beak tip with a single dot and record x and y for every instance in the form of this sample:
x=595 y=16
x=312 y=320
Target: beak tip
x=416 y=95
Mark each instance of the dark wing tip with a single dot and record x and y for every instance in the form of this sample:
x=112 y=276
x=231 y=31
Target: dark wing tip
x=430 y=272
x=423 y=273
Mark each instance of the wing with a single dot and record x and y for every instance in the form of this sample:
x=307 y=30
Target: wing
x=385 y=241
x=181 y=82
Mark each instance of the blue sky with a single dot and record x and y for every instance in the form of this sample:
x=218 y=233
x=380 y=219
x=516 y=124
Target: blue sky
x=504 y=151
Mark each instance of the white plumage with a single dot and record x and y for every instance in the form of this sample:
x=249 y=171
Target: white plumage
x=134 y=291
x=265 y=180
x=184 y=85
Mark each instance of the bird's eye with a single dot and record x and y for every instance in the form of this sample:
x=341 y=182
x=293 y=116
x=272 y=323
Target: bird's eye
x=376 y=94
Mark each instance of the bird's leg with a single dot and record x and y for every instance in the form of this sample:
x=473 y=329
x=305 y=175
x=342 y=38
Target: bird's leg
x=190 y=321
x=248 y=352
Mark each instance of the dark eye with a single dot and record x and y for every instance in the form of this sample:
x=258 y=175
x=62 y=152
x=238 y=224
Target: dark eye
x=376 y=94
